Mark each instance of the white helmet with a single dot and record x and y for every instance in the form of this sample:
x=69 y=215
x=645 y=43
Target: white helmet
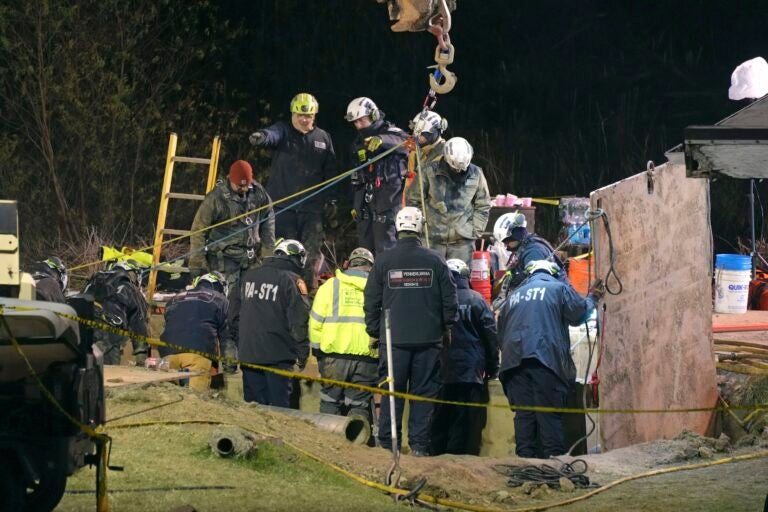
x=428 y=121
x=409 y=219
x=506 y=222
x=458 y=153
x=542 y=265
x=361 y=107
x=458 y=266
x=292 y=248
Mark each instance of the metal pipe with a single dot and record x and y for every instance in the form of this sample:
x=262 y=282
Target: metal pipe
x=391 y=381
x=355 y=429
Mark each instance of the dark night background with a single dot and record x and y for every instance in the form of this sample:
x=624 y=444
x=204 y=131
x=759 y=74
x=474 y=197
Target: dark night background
x=557 y=98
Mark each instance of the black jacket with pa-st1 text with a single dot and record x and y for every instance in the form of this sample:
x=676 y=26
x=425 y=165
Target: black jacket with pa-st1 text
x=414 y=283
x=195 y=319
x=533 y=324
x=274 y=314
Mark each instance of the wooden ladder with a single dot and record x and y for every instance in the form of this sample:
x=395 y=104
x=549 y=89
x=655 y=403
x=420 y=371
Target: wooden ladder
x=166 y=195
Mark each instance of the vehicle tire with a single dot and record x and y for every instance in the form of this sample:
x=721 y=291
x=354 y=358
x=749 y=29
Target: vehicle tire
x=47 y=492
x=11 y=486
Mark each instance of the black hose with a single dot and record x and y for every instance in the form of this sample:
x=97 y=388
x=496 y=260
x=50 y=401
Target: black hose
x=574 y=471
x=141 y=411
x=612 y=260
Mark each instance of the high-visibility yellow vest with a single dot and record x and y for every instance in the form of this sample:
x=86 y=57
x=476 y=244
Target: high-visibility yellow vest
x=337 y=319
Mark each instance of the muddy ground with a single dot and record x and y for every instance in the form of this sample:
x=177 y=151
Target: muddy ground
x=159 y=458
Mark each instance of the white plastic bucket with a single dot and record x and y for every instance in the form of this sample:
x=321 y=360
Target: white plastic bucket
x=732 y=275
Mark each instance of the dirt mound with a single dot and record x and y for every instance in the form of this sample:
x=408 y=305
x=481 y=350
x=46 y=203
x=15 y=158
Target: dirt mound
x=461 y=478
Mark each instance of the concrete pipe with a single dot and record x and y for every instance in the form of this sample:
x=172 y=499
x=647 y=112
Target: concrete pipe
x=232 y=442
x=355 y=429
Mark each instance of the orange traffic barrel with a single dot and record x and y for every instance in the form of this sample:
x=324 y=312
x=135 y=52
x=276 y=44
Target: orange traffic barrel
x=480 y=274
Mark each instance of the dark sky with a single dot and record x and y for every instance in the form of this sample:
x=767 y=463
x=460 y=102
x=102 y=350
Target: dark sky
x=556 y=96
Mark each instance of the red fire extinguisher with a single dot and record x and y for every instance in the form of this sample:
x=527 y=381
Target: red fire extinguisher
x=480 y=273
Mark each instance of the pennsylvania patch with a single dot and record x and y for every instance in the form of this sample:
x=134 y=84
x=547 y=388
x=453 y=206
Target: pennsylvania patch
x=320 y=144
x=302 y=286
x=411 y=278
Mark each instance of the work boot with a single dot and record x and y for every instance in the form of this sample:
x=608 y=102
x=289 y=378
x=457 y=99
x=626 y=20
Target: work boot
x=419 y=453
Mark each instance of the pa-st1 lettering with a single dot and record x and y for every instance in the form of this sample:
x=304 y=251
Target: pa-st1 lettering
x=266 y=291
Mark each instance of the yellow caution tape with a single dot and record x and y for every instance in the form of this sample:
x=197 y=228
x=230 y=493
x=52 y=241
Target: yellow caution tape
x=541 y=200
x=450 y=503
x=380 y=391
x=581 y=256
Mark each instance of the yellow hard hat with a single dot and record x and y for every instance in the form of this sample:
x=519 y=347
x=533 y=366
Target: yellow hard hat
x=304 y=103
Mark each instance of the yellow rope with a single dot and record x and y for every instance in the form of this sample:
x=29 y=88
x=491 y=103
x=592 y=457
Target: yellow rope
x=406 y=396
x=338 y=177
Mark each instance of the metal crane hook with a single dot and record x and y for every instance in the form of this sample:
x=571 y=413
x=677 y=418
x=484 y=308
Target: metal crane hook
x=443 y=57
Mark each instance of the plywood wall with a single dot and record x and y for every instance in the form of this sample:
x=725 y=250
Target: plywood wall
x=658 y=348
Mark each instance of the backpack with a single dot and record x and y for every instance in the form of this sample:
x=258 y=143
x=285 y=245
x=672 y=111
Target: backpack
x=103 y=285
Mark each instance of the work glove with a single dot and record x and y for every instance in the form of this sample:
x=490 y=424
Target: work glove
x=257 y=138
x=373 y=143
x=441 y=207
x=447 y=337
x=330 y=214
x=410 y=144
x=597 y=290
x=373 y=346
x=353 y=214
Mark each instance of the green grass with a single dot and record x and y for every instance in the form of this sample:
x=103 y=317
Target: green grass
x=157 y=459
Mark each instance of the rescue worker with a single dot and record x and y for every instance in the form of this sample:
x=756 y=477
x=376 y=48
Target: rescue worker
x=196 y=319
x=536 y=364
x=378 y=188
x=471 y=360
x=274 y=316
x=119 y=302
x=339 y=340
x=415 y=285
x=234 y=247
x=524 y=247
x=51 y=279
x=427 y=129
x=456 y=199
x=302 y=156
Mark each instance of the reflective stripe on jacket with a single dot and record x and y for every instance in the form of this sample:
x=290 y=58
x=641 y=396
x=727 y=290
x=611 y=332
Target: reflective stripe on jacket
x=337 y=319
